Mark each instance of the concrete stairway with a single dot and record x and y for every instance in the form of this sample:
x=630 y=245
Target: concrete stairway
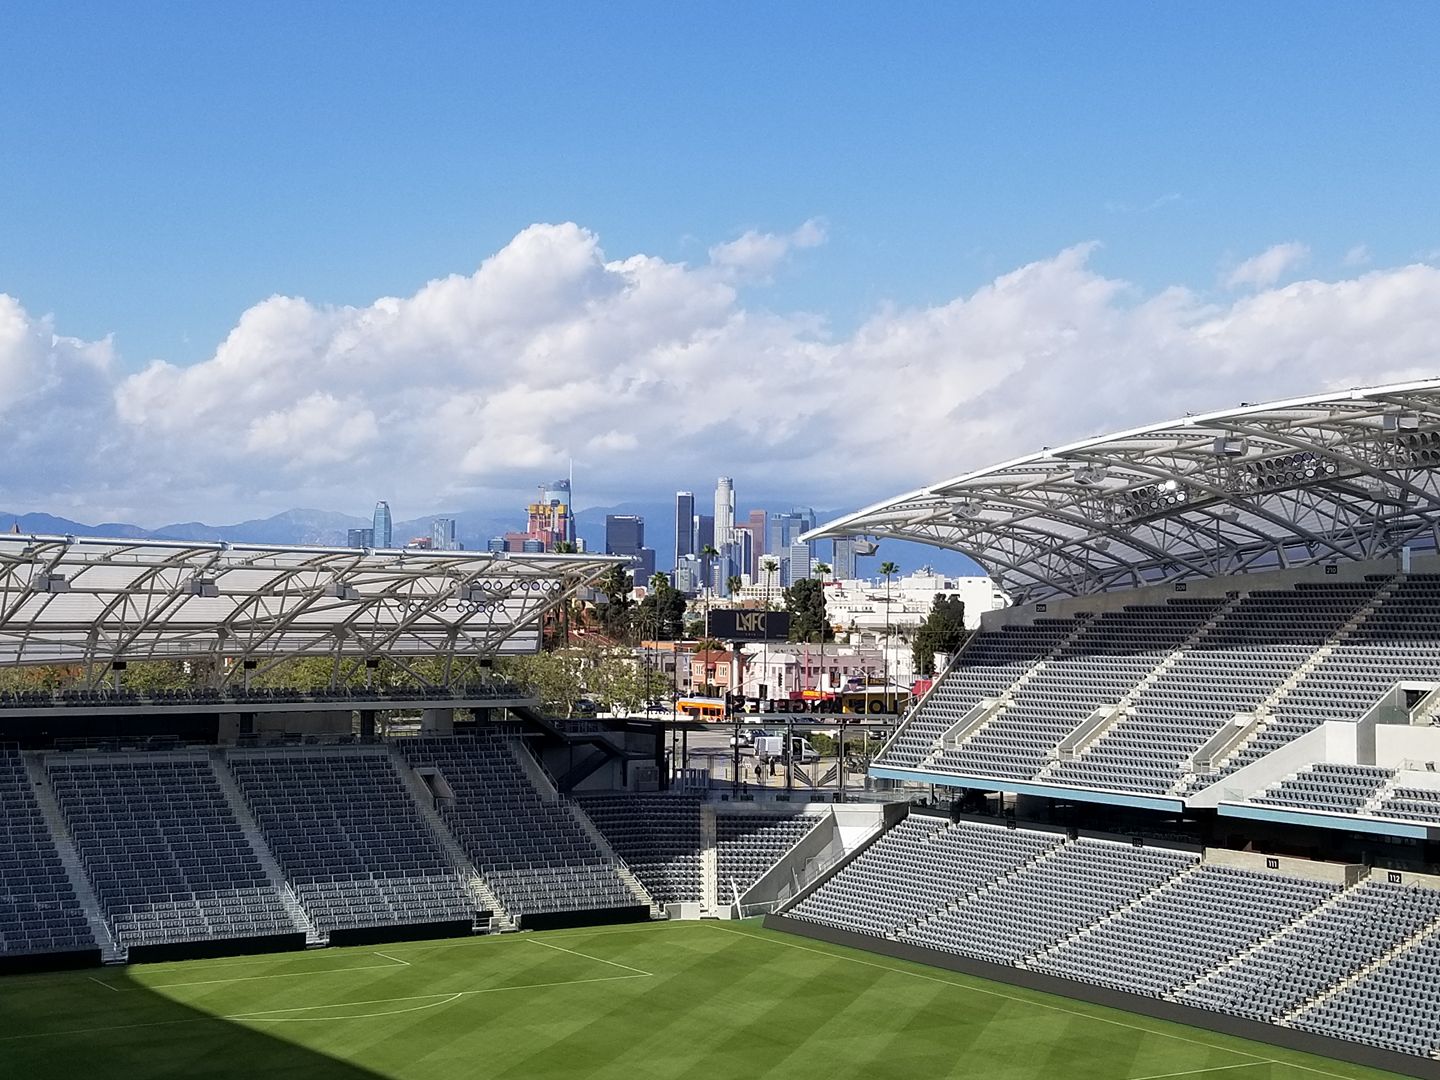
x=111 y=951
x=474 y=882
x=709 y=861
x=251 y=828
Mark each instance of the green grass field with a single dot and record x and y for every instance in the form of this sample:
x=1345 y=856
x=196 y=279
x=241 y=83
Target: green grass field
x=701 y=1000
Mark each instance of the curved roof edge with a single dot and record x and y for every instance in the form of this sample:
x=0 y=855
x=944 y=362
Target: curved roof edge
x=1344 y=475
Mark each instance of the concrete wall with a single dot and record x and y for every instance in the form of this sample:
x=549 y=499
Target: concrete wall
x=1396 y=744
x=1284 y=866
x=1331 y=741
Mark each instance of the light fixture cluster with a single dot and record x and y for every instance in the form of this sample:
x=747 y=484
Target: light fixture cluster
x=1161 y=497
x=1283 y=471
x=1420 y=448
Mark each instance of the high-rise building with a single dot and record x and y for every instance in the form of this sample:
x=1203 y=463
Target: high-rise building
x=442 y=534
x=684 y=525
x=497 y=544
x=382 y=526
x=704 y=532
x=786 y=527
x=736 y=557
x=624 y=534
x=724 y=509
x=558 y=496
x=757 y=524
x=687 y=575
x=797 y=563
x=842 y=558
x=360 y=538
x=549 y=518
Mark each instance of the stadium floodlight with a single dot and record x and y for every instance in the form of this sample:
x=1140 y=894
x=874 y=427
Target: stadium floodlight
x=966 y=509
x=1396 y=422
x=1089 y=475
x=50 y=583
x=1224 y=446
x=202 y=586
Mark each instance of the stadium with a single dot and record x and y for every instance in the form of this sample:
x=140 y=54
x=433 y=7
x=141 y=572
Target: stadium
x=1172 y=813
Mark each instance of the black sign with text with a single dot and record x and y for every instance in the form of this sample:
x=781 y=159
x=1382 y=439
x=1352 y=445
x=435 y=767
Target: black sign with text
x=740 y=624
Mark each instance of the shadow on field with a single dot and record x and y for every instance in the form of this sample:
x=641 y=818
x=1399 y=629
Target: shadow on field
x=67 y=1026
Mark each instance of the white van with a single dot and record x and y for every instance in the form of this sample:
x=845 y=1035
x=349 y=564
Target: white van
x=774 y=746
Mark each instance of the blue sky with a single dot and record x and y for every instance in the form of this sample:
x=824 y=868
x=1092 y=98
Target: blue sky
x=169 y=165
x=166 y=168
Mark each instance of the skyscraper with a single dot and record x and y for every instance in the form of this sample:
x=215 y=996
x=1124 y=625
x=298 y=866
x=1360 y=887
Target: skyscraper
x=360 y=538
x=382 y=526
x=758 y=530
x=442 y=534
x=684 y=525
x=549 y=518
x=558 y=496
x=724 y=510
x=704 y=532
x=784 y=528
x=842 y=560
x=798 y=563
x=624 y=534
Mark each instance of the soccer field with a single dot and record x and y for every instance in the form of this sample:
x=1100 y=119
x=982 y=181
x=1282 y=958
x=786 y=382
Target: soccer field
x=657 y=1001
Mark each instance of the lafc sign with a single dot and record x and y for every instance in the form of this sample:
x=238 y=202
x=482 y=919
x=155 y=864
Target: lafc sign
x=742 y=624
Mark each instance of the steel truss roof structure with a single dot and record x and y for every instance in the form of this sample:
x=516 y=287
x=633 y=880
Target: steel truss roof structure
x=65 y=599
x=1348 y=475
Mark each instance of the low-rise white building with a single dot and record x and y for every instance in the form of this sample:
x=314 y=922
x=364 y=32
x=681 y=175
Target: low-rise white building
x=781 y=669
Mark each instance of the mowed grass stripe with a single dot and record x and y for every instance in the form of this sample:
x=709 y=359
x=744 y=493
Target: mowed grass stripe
x=723 y=1000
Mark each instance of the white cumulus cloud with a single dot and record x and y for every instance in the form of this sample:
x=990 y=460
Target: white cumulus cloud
x=654 y=375
x=1268 y=267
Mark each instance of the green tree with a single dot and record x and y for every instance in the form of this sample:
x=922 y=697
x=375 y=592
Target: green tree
x=619 y=604
x=556 y=678
x=733 y=584
x=662 y=613
x=805 y=601
x=942 y=631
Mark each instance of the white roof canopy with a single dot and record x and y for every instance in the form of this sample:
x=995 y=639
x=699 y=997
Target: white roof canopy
x=1348 y=475
x=65 y=599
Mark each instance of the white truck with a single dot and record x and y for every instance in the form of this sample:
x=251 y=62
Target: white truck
x=773 y=746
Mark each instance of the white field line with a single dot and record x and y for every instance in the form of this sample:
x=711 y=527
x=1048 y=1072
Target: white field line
x=1257 y=1059
x=1213 y=1068
x=585 y=956
x=97 y=982
x=269 y=1016
x=253 y=978
x=397 y=960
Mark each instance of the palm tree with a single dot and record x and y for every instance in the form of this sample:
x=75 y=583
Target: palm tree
x=770 y=567
x=887 y=570
x=708 y=552
x=733 y=584
x=820 y=570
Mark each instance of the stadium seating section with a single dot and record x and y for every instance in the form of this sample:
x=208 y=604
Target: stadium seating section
x=39 y=912
x=1173 y=674
x=531 y=850
x=163 y=852
x=350 y=838
x=1357 y=962
x=658 y=835
x=748 y=845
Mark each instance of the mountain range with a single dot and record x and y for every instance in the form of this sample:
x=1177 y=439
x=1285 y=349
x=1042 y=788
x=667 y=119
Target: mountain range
x=473 y=529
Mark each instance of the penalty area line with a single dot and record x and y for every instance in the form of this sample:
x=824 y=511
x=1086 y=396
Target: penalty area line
x=271 y=1016
x=587 y=956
